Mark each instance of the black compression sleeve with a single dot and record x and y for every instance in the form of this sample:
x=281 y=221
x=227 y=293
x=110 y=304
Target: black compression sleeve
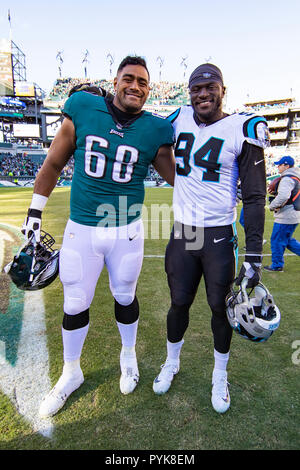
x=253 y=185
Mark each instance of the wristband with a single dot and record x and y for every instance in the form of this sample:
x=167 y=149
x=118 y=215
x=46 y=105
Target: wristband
x=253 y=257
x=34 y=213
x=38 y=201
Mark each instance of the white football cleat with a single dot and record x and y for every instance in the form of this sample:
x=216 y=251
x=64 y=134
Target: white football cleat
x=59 y=394
x=163 y=381
x=220 y=397
x=129 y=372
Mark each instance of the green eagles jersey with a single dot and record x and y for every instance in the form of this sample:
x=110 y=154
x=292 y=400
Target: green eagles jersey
x=111 y=161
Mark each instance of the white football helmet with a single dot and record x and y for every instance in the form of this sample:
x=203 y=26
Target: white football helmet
x=254 y=318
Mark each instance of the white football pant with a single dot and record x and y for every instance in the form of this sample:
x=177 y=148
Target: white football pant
x=85 y=250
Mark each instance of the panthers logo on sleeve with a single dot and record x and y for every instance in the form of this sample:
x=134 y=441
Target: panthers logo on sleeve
x=256 y=131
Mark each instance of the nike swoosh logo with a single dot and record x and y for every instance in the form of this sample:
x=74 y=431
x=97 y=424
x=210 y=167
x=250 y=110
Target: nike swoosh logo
x=131 y=238
x=219 y=240
x=256 y=163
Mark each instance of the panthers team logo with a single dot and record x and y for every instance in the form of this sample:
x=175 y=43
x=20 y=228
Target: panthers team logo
x=256 y=131
x=24 y=362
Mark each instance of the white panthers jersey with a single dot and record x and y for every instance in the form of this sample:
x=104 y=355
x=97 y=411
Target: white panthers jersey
x=207 y=168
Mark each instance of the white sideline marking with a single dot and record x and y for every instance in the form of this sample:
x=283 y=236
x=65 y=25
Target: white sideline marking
x=243 y=254
x=28 y=381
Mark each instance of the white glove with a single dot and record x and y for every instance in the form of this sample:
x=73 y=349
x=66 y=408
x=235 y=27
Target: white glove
x=251 y=271
x=32 y=224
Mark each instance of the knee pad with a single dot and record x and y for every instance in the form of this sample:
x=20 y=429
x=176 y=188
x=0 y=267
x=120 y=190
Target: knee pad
x=123 y=291
x=74 y=322
x=74 y=300
x=124 y=299
x=123 y=277
x=127 y=313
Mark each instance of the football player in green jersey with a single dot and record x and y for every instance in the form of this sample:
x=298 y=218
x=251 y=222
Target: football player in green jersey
x=113 y=142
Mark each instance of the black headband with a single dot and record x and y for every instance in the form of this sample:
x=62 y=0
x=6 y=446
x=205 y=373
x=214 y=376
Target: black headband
x=204 y=73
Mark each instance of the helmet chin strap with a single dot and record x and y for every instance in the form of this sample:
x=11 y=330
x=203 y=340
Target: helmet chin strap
x=244 y=289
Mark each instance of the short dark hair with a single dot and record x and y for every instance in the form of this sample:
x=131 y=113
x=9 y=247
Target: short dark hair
x=133 y=60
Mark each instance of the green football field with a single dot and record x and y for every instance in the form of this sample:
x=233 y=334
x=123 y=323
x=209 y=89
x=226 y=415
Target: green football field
x=264 y=378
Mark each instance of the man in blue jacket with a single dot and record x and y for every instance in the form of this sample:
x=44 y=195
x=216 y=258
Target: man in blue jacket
x=286 y=207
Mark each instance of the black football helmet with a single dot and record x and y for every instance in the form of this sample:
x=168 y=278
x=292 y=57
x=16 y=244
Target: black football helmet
x=36 y=265
x=91 y=88
x=255 y=315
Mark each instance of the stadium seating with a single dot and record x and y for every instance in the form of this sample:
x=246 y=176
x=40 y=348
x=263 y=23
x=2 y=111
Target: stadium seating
x=23 y=159
x=162 y=93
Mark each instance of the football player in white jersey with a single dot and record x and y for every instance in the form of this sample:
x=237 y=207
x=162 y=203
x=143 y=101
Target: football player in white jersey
x=213 y=151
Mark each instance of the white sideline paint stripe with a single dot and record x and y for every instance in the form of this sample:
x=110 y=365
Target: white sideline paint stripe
x=265 y=254
x=28 y=382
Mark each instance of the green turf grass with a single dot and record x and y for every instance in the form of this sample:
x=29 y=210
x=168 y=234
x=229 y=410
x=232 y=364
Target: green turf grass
x=264 y=382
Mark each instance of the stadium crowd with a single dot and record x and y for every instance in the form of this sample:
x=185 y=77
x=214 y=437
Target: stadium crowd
x=22 y=165
x=171 y=93
x=163 y=94
x=17 y=165
x=273 y=106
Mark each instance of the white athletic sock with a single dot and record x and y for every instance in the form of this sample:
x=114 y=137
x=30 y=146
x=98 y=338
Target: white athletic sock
x=73 y=341
x=128 y=352
x=221 y=360
x=173 y=350
x=71 y=368
x=128 y=333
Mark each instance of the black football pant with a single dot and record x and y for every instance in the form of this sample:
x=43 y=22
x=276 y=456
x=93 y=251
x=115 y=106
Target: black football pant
x=213 y=255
